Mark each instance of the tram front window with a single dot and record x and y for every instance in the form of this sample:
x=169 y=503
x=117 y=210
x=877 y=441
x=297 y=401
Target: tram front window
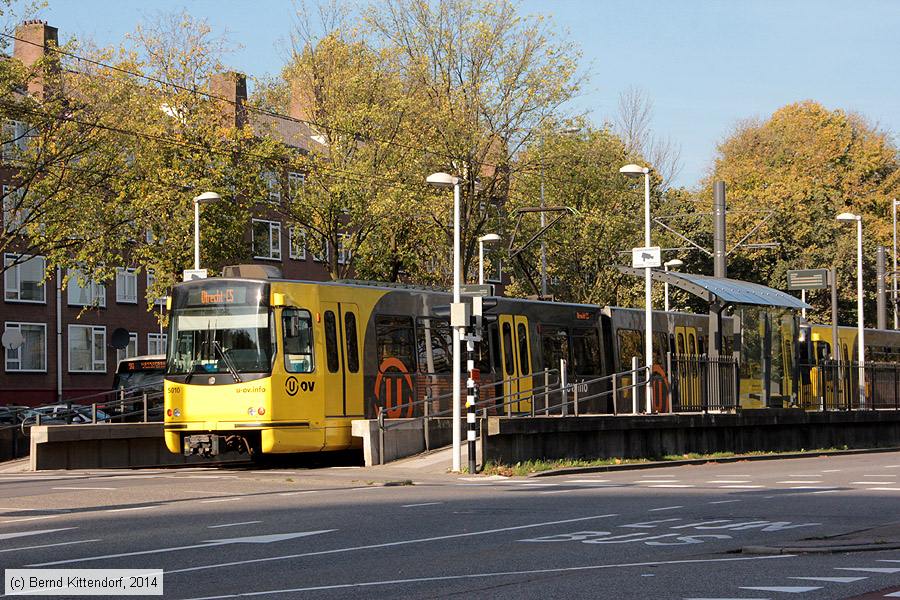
x=221 y=339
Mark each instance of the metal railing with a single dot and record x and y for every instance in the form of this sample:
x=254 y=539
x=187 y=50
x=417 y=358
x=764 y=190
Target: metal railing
x=834 y=385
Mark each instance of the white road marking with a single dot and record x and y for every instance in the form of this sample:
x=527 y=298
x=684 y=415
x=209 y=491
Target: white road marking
x=826 y=491
x=18 y=534
x=41 y=509
x=872 y=482
x=658 y=481
x=420 y=504
x=729 y=481
x=884 y=489
x=568 y=490
x=539 y=485
x=831 y=579
x=385 y=544
x=892 y=466
x=813 y=487
x=132 y=508
x=259 y=539
x=796 y=481
x=109 y=488
x=881 y=475
x=297 y=493
x=893 y=595
x=888 y=560
x=364 y=584
x=233 y=524
x=831 y=471
x=230 y=499
x=23 y=519
x=665 y=508
x=724 y=501
x=740 y=487
x=587 y=481
x=48 y=545
x=870 y=569
x=672 y=485
x=787 y=589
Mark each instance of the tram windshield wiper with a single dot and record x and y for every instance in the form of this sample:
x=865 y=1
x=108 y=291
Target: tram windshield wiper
x=227 y=360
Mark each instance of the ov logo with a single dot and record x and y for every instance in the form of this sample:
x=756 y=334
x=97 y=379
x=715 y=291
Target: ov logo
x=392 y=375
x=291 y=386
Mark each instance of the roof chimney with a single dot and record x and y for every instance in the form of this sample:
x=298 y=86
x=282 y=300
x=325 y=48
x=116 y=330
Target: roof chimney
x=34 y=38
x=231 y=87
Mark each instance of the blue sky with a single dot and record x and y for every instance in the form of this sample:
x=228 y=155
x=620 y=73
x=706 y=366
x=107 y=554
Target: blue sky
x=705 y=64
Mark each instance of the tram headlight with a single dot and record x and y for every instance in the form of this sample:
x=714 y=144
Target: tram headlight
x=251 y=411
x=177 y=412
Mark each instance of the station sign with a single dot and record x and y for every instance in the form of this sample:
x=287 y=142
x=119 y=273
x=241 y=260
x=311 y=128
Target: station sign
x=477 y=289
x=192 y=274
x=644 y=258
x=807 y=279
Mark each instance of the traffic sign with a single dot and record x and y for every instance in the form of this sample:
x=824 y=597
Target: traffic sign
x=477 y=290
x=191 y=274
x=807 y=279
x=642 y=258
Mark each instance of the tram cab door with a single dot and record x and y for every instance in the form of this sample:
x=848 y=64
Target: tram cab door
x=688 y=352
x=515 y=358
x=341 y=366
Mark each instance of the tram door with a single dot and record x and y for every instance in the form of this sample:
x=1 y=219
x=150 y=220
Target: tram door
x=515 y=354
x=342 y=373
x=688 y=354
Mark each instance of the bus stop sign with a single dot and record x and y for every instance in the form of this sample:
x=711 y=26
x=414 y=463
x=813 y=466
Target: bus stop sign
x=807 y=279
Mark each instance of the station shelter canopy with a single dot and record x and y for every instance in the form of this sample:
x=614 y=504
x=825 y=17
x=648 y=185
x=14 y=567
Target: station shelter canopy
x=723 y=291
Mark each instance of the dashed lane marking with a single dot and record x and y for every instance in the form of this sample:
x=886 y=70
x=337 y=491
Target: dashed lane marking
x=892 y=595
x=665 y=508
x=813 y=487
x=23 y=519
x=831 y=471
x=658 y=481
x=104 y=488
x=741 y=487
x=887 y=570
x=883 y=489
x=872 y=482
x=233 y=524
x=365 y=584
x=48 y=545
x=888 y=560
x=113 y=510
x=587 y=481
x=297 y=493
x=729 y=481
x=724 y=501
x=18 y=534
x=797 y=481
x=230 y=499
x=831 y=579
x=786 y=589
x=420 y=504
x=881 y=475
x=672 y=485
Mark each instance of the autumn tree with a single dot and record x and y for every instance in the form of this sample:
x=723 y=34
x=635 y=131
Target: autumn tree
x=796 y=171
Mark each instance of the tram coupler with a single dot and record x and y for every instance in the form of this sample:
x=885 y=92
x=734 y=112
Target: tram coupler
x=203 y=445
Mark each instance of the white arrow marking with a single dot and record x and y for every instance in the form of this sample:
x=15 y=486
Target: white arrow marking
x=831 y=579
x=788 y=589
x=9 y=536
x=259 y=539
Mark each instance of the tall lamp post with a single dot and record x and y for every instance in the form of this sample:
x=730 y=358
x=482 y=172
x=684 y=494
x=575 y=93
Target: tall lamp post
x=636 y=171
x=204 y=198
x=860 y=342
x=444 y=180
x=670 y=263
x=485 y=239
x=894 y=205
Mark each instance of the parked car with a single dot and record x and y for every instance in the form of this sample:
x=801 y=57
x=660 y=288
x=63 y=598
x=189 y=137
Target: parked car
x=12 y=414
x=58 y=414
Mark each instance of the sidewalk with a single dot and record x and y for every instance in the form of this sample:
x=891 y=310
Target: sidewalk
x=884 y=537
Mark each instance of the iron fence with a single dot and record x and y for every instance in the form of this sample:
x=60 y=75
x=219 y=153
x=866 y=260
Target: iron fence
x=835 y=385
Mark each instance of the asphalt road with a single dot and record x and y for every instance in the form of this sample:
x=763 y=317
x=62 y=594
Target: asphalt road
x=340 y=533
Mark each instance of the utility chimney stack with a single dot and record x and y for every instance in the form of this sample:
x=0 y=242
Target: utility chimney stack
x=231 y=87
x=34 y=39
x=719 y=252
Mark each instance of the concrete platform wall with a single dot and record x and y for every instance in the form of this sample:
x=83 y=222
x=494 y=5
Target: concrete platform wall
x=512 y=440
x=107 y=445
x=402 y=437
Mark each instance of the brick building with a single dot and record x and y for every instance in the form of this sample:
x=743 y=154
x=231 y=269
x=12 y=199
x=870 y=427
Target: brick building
x=67 y=332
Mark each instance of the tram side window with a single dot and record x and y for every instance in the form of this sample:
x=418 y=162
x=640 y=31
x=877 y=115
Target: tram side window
x=554 y=346
x=331 y=347
x=630 y=344
x=524 y=367
x=660 y=347
x=823 y=352
x=508 y=349
x=441 y=339
x=495 y=342
x=586 y=351
x=352 y=342
x=298 y=343
x=395 y=338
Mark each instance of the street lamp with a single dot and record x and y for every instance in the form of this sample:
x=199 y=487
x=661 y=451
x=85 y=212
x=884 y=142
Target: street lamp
x=636 y=171
x=894 y=205
x=487 y=238
x=444 y=180
x=848 y=217
x=204 y=198
x=670 y=263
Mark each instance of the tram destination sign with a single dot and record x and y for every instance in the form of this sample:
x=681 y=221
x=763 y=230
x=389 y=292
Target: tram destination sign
x=477 y=289
x=807 y=279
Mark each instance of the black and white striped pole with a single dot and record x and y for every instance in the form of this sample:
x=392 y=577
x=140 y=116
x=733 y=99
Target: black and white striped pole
x=472 y=339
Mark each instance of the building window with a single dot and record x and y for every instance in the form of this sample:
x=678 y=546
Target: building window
x=23 y=282
x=15 y=214
x=321 y=251
x=493 y=268
x=343 y=252
x=126 y=286
x=297 y=237
x=151 y=280
x=128 y=351
x=15 y=139
x=272 y=186
x=266 y=239
x=295 y=183
x=156 y=343
x=32 y=354
x=87 y=349
x=89 y=294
